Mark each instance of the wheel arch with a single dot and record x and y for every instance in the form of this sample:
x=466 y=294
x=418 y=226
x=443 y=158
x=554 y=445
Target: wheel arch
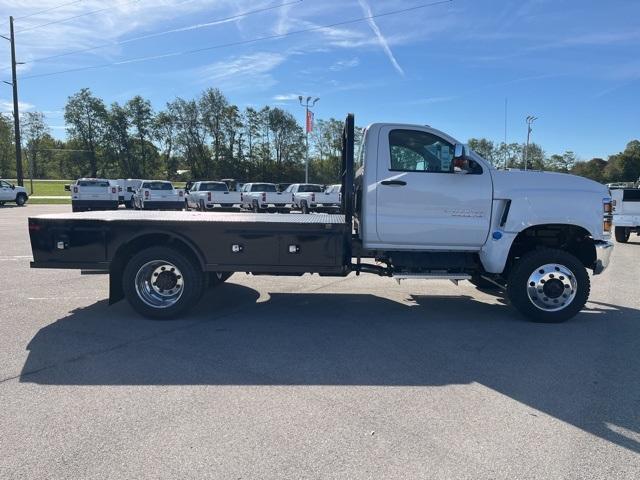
x=140 y=242
x=573 y=239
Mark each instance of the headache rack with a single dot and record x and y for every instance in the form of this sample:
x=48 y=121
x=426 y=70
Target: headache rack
x=347 y=174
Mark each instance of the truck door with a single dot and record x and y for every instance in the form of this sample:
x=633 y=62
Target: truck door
x=422 y=200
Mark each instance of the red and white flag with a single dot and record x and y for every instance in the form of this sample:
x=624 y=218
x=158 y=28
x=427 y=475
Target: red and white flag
x=309 y=121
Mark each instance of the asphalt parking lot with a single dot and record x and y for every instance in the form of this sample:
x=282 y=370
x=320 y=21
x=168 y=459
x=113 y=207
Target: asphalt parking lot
x=274 y=378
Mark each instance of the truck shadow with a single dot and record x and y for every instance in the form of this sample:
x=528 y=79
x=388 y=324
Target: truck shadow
x=583 y=372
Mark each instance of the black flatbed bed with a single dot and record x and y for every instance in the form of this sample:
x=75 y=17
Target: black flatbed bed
x=222 y=241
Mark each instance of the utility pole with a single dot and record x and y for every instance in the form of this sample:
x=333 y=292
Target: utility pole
x=16 y=111
x=308 y=105
x=530 y=119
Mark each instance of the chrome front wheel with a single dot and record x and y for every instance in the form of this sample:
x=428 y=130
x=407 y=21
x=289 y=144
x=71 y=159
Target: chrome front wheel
x=548 y=285
x=552 y=287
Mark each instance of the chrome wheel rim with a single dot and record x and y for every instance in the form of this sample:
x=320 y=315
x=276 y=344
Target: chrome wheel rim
x=552 y=287
x=159 y=284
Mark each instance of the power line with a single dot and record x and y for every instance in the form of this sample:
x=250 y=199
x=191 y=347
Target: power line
x=49 y=9
x=86 y=14
x=241 y=42
x=167 y=32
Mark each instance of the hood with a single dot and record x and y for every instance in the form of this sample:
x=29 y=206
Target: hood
x=508 y=182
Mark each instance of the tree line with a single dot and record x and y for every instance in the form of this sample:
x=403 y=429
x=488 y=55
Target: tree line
x=208 y=137
x=620 y=167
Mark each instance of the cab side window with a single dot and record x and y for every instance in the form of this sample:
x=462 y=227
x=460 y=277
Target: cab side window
x=417 y=151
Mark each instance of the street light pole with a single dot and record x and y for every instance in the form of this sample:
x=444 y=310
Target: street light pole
x=309 y=103
x=530 y=119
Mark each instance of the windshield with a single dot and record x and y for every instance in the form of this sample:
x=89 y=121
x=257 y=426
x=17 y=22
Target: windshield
x=213 y=187
x=310 y=188
x=263 y=187
x=157 y=186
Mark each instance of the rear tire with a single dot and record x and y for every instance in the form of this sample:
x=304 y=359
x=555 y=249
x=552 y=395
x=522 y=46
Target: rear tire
x=304 y=207
x=162 y=283
x=548 y=285
x=622 y=234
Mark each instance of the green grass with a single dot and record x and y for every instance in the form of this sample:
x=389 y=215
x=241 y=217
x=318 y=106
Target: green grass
x=53 y=187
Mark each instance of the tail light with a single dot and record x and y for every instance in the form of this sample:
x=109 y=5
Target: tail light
x=208 y=196
x=293 y=197
x=181 y=193
x=340 y=197
x=146 y=194
x=313 y=197
x=607 y=210
x=113 y=190
x=75 y=189
x=264 y=196
x=241 y=197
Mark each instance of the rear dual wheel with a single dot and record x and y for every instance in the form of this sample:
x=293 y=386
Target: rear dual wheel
x=548 y=285
x=162 y=283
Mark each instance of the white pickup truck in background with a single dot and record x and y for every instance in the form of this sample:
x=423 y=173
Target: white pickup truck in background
x=12 y=193
x=211 y=195
x=158 y=195
x=263 y=197
x=126 y=189
x=94 y=194
x=309 y=197
x=626 y=213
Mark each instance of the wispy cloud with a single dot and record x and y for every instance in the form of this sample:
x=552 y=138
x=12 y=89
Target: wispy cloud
x=286 y=97
x=381 y=39
x=243 y=72
x=432 y=100
x=6 y=106
x=344 y=64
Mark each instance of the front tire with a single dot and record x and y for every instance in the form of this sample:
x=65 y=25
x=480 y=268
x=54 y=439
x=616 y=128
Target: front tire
x=622 y=234
x=162 y=283
x=548 y=285
x=21 y=199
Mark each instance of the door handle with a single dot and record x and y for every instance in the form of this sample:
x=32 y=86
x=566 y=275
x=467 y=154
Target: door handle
x=397 y=183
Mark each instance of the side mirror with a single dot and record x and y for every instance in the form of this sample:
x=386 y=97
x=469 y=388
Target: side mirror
x=13 y=187
x=67 y=188
x=460 y=162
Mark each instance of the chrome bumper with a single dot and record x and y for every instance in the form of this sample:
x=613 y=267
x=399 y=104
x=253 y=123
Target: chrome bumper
x=603 y=255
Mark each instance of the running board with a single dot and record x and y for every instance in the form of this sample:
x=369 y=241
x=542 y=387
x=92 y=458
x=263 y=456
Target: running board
x=454 y=277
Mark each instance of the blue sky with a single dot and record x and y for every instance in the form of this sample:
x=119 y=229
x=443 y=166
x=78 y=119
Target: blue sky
x=573 y=63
